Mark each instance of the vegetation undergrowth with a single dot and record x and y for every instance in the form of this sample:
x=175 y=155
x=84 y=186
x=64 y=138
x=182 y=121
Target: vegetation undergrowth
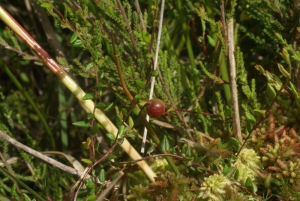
x=193 y=151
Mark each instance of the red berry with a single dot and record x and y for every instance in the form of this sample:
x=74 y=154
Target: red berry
x=155 y=108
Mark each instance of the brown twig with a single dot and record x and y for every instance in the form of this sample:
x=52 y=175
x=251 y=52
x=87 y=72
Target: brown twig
x=170 y=126
x=27 y=56
x=130 y=97
x=142 y=117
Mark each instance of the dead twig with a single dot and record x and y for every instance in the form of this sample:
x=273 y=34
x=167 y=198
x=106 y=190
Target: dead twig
x=233 y=86
x=40 y=155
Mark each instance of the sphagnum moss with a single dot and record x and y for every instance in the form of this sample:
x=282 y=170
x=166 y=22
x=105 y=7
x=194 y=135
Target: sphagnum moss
x=213 y=188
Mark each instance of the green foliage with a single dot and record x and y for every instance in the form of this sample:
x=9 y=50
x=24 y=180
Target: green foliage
x=193 y=81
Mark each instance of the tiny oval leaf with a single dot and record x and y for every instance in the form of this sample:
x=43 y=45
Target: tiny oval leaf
x=82 y=124
x=77 y=43
x=140 y=84
x=46 y=5
x=73 y=37
x=164 y=144
x=89 y=66
x=111 y=137
x=122 y=130
x=130 y=122
x=102 y=175
x=88 y=96
x=108 y=107
x=87 y=161
x=100 y=105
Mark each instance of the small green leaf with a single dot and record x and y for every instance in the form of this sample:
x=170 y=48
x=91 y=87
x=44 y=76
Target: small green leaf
x=130 y=122
x=91 y=197
x=251 y=185
x=88 y=96
x=250 y=118
x=227 y=171
x=95 y=128
x=138 y=96
x=108 y=107
x=200 y=39
x=235 y=144
x=122 y=130
x=111 y=156
x=100 y=105
x=77 y=43
x=89 y=66
x=285 y=55
x=13 y=190
x=270 y=92
x=124 y=111
x=119 y=121
x=87 y=161
x=90 y=184
x=201 y=170
x=258 y=112
x=26 y=198
x=90 y=116
x=39 y=63
x=146 y=36
x=260 y=69
x=139 y=84
x=267 y=182
x=99 y=85
x=164 y=144
x=102 y=175
x=150 y=55
x=283 y=71
x=46 y=5
x=211 y=41
x=151 y=149
x=236 y=175
x=24 y=77
x=81 y=124
x=293 y=89
x=135 y=111
x=155 y=73
x=73 y=37
x=111 y=137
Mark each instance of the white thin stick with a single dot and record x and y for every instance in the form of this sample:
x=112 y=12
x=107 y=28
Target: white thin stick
x=155 y=67
x=41 y=156
x=233 y=86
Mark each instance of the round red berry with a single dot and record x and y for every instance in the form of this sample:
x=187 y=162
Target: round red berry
x=155 y=108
